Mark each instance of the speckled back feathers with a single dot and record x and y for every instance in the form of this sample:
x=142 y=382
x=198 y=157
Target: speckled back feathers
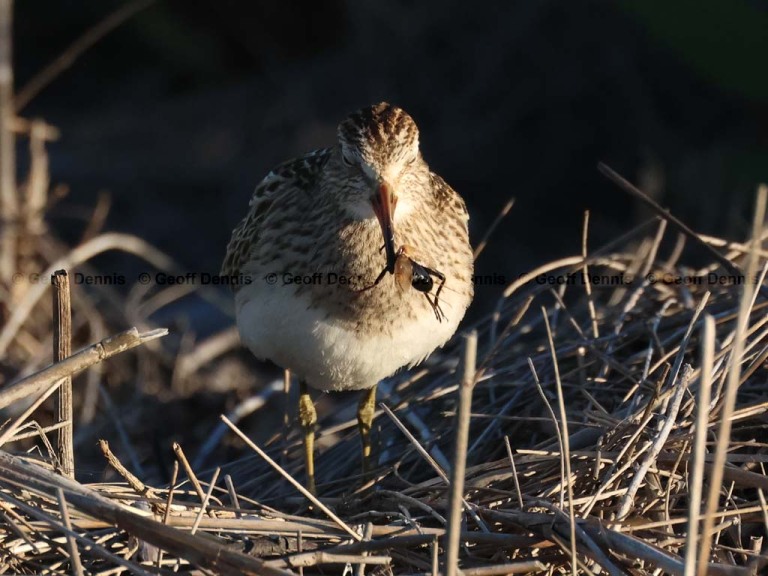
x=312 y=218
x=300 y=173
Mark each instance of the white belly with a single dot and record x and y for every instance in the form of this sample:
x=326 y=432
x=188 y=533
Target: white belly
x=279 y=325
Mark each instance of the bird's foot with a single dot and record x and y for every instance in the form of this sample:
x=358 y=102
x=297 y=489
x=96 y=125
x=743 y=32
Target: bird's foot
x=308 y=419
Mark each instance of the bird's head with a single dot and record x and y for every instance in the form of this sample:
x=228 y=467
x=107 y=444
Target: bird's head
x=379 y=154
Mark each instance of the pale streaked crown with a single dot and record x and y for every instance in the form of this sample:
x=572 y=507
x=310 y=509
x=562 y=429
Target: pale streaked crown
x=379 y=136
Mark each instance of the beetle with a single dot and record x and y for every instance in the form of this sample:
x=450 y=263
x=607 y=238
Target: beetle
x=409 y=273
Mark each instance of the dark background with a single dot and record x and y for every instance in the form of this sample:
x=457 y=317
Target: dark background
x=184 y=108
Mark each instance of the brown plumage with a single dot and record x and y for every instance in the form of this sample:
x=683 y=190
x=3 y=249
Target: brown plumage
x=310 y=250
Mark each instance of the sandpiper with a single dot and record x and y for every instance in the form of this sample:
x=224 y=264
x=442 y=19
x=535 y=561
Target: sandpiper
x=326 y=254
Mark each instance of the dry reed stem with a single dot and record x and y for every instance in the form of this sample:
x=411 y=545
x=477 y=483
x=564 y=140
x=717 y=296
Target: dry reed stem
x=461 y=441
x=627 y=501
x=38 y=182
x=732 y=384
x=617 y=391
x=139 y=486
x=232 y=494
x=416 y=444
x=168 y=502
x=49 y=378
x=62 y=349
x=37 y=432
x=206 y=351
x=563 y=424
x=317 y=558
x=588 y=285
x=431 y=461
x=204 y=503
x=367 y=533
x=526 y=567
x=182 y=458
x=307 y=494
x=74 y=553
x=10 y=430
x=518 y=492
x=617 y=542
x=580 y=536
x=200 y=551
x=87 y=543
x=700 y=444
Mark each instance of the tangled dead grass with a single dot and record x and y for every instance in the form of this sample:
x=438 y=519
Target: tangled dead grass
x=617 y=426
x=617 y=420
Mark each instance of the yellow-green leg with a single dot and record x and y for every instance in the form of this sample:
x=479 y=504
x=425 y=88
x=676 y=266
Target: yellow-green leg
x=308 y=419
x=365 y=412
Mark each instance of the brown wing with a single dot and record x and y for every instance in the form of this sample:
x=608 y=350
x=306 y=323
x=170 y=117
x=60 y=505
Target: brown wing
x=448 y=201
x=297 y=173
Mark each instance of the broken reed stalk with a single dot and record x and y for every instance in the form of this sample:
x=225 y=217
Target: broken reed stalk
x=138 y=486
x=62 y=349
x=10 y=430
x=458 y=470
x=233 y=499
x=182 y=458
x=51 y=376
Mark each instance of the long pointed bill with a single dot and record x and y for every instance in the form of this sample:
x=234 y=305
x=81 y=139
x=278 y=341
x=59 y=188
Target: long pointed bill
x=384 y=202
